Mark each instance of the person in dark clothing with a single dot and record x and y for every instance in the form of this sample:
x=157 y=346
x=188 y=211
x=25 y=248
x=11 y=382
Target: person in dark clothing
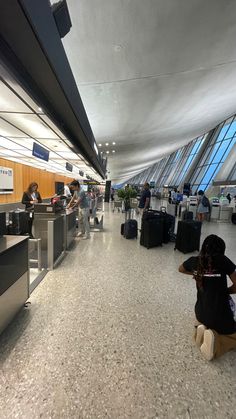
x=216 y=331
x=145 y=198
x=228 y=196
x=112 y=194
x=31 y=197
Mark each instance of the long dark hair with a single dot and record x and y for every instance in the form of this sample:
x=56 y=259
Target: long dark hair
x=30 y=187
x=212 y=247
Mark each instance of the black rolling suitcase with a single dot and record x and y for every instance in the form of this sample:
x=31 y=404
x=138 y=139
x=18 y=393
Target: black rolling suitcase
x=19 y=222
x=188 y=236
x=131 y=229
x=122 y=229
x=168 y=227
x=152 y=229
x=233 y=218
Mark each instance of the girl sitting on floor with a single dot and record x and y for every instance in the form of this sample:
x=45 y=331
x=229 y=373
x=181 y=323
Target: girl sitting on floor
x=216 y=332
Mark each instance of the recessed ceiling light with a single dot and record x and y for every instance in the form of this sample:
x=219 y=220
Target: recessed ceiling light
x=113 y=143
x=107 y=152
x=100 y=145
x=40 y=109
x=107 y=143
x=113 y=151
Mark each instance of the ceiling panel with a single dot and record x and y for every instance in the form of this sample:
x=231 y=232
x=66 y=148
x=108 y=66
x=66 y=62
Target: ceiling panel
x=56 y=145
x=9 y=102
x=22 y=142
x=162 y=75
x=30 y=124
x=53 y=126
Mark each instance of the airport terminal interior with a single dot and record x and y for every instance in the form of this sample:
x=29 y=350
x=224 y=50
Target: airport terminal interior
x=117 y=162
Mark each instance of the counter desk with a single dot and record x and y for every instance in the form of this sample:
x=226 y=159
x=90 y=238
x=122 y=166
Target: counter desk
x=57 y=231
x=14 y=277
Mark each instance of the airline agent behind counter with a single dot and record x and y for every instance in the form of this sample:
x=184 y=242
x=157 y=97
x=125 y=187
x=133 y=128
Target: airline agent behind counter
x=30 y=197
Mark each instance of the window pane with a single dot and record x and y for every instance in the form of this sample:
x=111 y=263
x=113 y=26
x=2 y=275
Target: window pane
x=224 y=129
x=195 y=147
x=209 y=173
x=231 y=130
x=214 y=138
x=220 y=152
x=201 y=174
x=206 y=156
x=233 y=141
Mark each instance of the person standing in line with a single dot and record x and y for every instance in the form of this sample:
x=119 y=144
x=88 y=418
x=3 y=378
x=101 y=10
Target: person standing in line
x=30 y=197
x=145 y=199
x=228 y=196
x=216 y=330
x=80 y=200
x=202 y=206
x=112 y=194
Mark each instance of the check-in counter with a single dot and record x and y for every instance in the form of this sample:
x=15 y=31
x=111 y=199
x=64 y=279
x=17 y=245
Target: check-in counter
x=70 y=227
x=14 y=278
x=50 y=228
x=215 y=212
x=225 y=213
x=57 y=230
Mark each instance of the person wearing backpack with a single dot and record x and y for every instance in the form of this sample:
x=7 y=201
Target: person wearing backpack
x=203 y=206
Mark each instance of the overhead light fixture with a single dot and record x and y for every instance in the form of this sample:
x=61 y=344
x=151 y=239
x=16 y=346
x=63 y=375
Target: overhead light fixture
x=107 y=152
x=107 y=144
x=113 y=151
x=113 y=143
x=99 y=145
x=40 y=109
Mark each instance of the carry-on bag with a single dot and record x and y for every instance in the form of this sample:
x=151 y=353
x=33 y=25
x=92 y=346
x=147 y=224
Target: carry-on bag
x=131 y=229
x=19 y=222
x=152 y=231
x=122 y=229
x=188 y=236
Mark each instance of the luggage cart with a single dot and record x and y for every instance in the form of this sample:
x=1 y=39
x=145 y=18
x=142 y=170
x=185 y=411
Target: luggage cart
x=134 y=205
x=117 y=204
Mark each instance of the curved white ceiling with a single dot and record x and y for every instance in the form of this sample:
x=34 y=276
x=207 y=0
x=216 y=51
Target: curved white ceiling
x=152 y=74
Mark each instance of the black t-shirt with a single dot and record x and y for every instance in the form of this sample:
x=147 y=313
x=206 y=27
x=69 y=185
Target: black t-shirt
x=212 y=307
x=145 y=194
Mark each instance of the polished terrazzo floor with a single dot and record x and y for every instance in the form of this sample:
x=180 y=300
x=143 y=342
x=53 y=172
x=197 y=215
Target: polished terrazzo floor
x=109 y=335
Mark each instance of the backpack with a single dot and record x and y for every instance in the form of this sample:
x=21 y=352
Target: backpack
x=205 y=201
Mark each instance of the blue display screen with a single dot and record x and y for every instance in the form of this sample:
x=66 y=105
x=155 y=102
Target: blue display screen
x=40 y=152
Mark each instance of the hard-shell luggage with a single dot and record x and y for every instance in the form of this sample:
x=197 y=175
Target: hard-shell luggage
x=188 y=236
x=19 y=222
x=131 y=229
x=187 y=215
x=233 y=218
x=168 y=227
x=152 y=230
x=122 y=229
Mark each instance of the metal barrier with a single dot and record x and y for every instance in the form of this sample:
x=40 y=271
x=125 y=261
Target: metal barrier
x=39 y=253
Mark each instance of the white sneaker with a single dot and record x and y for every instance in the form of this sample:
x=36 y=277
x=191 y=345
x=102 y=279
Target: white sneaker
x=208 y=346
x=86 y=237
x=199 y=335
x=80 y=234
